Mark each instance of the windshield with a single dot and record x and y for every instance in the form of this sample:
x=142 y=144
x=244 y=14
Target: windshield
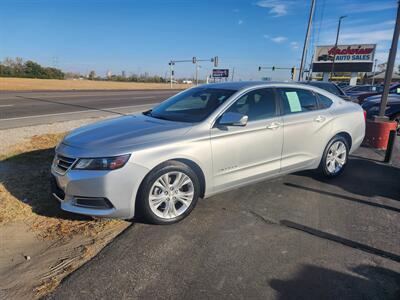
x=193 y=105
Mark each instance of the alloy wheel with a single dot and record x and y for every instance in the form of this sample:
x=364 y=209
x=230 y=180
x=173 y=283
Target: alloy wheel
x=336 y=157
x=171 y=195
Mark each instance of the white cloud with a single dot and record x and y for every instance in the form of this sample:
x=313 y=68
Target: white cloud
x=379 y=33
x=277 y=8
x=367 y=37
x=279 y=39
x=294 y=45
x=381 y=56
x=240 y=22
x=370 y=7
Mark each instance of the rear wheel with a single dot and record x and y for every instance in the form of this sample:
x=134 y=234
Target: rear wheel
x=169 y=193
x=335 y=156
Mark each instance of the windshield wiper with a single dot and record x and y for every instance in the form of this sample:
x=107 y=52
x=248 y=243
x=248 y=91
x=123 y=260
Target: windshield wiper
x=149 y=114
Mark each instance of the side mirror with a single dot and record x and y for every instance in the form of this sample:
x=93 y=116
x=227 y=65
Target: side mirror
x=233 y=119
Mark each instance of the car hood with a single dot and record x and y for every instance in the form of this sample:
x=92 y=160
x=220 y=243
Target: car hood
x=118 y=135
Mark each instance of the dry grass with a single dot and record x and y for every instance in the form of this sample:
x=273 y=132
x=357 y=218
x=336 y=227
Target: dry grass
x=28 y=84
x=25 y=192
x=59 y=242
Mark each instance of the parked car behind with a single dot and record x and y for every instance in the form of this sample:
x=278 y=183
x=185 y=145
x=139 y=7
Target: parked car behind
x=331 y=87
x=394 y=89
x=357 y=90
x=200 y=142
x=372 y=106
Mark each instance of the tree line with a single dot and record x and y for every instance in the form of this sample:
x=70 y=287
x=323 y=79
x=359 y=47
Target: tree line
x=28 y=69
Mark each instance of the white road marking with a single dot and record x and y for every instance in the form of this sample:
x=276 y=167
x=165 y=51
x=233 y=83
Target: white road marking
x=6 y=105
x=77 y=112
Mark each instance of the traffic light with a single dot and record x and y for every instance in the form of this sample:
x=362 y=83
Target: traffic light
x=216 y=61
x=273 y=68
x=259 y=68
x=172 y=72
x=293 y=72
x=194 y=59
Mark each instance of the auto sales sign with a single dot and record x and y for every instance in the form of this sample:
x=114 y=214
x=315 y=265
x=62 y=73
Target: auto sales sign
x=348 y=58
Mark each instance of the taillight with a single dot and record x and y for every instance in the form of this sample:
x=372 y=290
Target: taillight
x=365 y=115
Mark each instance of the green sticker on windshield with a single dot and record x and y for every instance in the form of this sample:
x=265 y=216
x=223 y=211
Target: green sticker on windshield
x=398 y=91
x=294 y=102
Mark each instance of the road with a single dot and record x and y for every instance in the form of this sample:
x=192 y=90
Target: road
x=295 y=237
x=18 y=109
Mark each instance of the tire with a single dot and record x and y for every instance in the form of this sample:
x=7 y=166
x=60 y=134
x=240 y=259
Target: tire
x=162 y=200
x=334 y=159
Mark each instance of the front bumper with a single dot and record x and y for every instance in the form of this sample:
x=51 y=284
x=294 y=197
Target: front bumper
x=118 y=188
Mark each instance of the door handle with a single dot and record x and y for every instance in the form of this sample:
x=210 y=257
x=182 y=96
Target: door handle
x=274 y=125
x=320 y=119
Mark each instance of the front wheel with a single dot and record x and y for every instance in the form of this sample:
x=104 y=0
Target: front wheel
x=169 y=193
x=335 y=157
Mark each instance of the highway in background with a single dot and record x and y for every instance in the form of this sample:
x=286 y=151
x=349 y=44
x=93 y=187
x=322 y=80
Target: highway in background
x=18 y=109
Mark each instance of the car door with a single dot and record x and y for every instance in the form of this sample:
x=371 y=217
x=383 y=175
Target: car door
x=243 y=154
x=306 y=128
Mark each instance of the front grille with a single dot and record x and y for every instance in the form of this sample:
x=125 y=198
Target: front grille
x=63 y=163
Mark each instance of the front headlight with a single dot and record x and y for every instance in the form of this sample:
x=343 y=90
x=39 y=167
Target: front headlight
x=105 y=163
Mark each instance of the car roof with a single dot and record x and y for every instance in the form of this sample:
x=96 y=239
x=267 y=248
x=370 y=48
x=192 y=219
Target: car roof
x=316 y=83
x=241 y=85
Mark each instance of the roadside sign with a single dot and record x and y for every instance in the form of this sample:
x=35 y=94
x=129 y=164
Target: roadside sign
x=220 y=73
x=348 y=58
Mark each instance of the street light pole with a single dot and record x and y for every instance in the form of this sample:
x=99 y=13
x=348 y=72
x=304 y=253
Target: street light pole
x=390 y=66
x=305 y=46
x=336 y=42
x=374 y=71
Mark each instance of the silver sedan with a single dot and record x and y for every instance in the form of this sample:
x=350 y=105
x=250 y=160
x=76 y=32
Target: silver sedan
x=200 y=142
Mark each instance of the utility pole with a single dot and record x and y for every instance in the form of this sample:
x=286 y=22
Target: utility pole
x=336 y=42
x=197 y=73
x=171 y=73
x=374 y=71
x=233 y=73
x=305 y=46
x=390 y=66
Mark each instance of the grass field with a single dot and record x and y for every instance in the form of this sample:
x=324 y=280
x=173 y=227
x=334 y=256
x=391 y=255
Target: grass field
x=28 y=84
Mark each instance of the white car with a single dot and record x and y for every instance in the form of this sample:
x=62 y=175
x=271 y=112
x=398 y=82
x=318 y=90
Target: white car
x=187 y=82
x=200 y=142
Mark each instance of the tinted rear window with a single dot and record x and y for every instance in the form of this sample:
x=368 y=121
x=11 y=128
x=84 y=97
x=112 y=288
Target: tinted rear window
x=330 y=87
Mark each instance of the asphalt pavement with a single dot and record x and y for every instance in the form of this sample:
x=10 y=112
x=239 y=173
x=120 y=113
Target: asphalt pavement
x=295 y=237
x=19 y=109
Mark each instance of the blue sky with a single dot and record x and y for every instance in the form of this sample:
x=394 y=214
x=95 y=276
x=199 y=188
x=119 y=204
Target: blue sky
x=142 y=36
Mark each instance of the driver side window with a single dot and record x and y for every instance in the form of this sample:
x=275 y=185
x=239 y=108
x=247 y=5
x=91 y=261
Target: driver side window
x=257 y=105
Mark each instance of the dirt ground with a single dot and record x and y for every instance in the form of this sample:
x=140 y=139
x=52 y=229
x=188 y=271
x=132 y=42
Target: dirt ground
x=30 y=84
x=39 y=243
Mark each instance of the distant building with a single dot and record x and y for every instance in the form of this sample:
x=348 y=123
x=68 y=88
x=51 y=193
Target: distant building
x=380 y=77
x=109 y=74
